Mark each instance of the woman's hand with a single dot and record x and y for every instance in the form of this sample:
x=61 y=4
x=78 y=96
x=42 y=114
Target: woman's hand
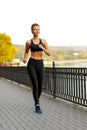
x=24 y=61
x=25 y=57
x=40 y=46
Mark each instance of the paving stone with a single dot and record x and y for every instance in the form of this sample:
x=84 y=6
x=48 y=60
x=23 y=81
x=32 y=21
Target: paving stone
x=17 y=111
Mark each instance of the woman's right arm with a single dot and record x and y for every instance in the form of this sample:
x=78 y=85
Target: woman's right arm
x=27 y=45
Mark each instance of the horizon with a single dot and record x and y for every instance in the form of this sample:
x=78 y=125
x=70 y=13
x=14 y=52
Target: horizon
x=57 y=46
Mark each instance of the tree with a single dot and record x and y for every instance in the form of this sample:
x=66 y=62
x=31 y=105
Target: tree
x=7 y=50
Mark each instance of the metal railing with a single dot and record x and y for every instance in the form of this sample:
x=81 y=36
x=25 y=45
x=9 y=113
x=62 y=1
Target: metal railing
x=66 y=83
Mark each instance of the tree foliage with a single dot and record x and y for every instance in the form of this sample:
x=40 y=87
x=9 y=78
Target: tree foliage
x=7 y=50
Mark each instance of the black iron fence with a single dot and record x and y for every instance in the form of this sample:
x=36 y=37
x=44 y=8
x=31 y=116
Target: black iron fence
x=66 y=83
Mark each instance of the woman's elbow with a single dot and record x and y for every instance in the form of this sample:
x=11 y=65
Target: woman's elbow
x=48 y=54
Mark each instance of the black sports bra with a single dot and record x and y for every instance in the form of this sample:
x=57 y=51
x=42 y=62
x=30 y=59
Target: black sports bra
x=34 y=47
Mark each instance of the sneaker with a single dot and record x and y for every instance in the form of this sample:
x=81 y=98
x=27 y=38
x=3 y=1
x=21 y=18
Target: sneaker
x=38 y=110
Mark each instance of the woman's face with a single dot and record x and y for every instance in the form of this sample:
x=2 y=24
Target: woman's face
x=36 y=30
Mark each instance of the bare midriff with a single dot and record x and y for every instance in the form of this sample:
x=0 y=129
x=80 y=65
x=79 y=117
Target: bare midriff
x=36 y=55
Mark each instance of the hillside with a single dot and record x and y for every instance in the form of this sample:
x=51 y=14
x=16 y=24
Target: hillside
x=58 y=53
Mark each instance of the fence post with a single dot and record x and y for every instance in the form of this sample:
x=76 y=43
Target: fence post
x=54 y=80
x=18 y=73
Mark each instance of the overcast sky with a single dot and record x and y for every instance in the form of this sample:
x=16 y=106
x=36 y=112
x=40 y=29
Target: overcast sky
x=62 y=22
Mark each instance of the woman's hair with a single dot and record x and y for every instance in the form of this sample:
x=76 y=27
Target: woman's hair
x=34 y=24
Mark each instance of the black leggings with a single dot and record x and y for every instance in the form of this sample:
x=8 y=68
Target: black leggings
x=35 y=70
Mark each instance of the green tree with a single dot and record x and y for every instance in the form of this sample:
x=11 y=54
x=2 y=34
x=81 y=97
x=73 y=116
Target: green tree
x=7 y=50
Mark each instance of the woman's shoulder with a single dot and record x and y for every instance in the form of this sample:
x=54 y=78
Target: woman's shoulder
x=28 y=42
x=43 y=41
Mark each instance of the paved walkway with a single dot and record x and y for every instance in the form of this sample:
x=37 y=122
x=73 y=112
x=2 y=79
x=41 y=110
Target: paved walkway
x=17 y=111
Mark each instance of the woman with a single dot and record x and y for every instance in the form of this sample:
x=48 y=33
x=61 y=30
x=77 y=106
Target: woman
x=35 y=63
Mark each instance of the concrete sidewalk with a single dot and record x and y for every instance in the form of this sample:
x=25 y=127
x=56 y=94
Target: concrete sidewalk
x=17 y=111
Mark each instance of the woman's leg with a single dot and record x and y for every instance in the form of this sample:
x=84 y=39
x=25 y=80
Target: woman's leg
x=40 y=81
x=40 y=72
x=35 y=70
x=33 y=77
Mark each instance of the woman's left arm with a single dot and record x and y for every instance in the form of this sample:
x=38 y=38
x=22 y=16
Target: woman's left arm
x=45 y=47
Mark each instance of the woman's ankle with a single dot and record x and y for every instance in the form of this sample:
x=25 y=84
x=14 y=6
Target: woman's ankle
x=37 y=105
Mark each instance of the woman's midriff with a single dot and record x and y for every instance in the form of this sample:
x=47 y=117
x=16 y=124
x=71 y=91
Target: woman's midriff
x=36 y=55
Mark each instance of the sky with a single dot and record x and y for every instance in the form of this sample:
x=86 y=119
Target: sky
x=62 y=22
